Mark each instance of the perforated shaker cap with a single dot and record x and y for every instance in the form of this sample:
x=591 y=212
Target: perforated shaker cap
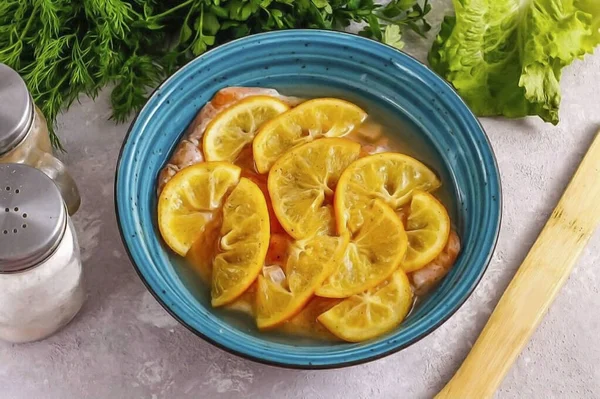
x=33 y=217
x=16 y=109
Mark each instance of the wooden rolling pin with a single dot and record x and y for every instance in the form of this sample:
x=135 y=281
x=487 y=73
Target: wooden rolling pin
x=534 y=287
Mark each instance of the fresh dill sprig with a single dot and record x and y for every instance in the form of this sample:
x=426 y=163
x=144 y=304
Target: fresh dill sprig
x=65 y=48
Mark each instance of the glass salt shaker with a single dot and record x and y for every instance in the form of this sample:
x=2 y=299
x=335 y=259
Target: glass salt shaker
x=24 y=136
x=41 y=287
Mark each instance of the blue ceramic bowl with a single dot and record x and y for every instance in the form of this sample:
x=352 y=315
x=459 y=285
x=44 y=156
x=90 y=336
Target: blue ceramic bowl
x=416 y=104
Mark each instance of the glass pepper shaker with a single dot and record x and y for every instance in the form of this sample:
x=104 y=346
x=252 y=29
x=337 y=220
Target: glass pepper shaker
x=24 y=136
x=41 y=287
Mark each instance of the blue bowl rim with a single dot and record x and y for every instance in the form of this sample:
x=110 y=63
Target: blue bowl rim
x=362 y=360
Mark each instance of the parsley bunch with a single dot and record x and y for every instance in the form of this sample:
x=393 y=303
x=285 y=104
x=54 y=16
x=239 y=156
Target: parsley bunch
x=64 y=48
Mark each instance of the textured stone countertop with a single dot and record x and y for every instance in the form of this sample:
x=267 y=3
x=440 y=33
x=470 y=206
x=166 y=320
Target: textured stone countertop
x=123 y=345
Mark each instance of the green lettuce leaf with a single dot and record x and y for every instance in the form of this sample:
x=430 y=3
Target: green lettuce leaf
x=505 y=57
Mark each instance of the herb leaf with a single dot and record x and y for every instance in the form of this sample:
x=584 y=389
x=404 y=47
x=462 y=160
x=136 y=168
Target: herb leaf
x=65 y=48
x=393 y=37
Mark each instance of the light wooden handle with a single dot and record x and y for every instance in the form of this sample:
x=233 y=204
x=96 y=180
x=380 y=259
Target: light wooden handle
x=534 y=287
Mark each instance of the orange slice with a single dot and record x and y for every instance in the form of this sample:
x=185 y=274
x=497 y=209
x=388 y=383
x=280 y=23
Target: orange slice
x=233 y=129
x=302 y=183
x=374 y=252
x=373 y=313
x=243 y=244
x=427 y=228
x=191 y=199
x=390 y=177
x=309 y=263
x=313 y=119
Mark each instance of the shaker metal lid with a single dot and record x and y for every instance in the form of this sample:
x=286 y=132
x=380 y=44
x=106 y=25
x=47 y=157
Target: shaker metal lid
x=16 y=109
x=33 y=217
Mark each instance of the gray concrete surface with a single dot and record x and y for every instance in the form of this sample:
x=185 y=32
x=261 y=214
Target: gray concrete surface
x=124 y=345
